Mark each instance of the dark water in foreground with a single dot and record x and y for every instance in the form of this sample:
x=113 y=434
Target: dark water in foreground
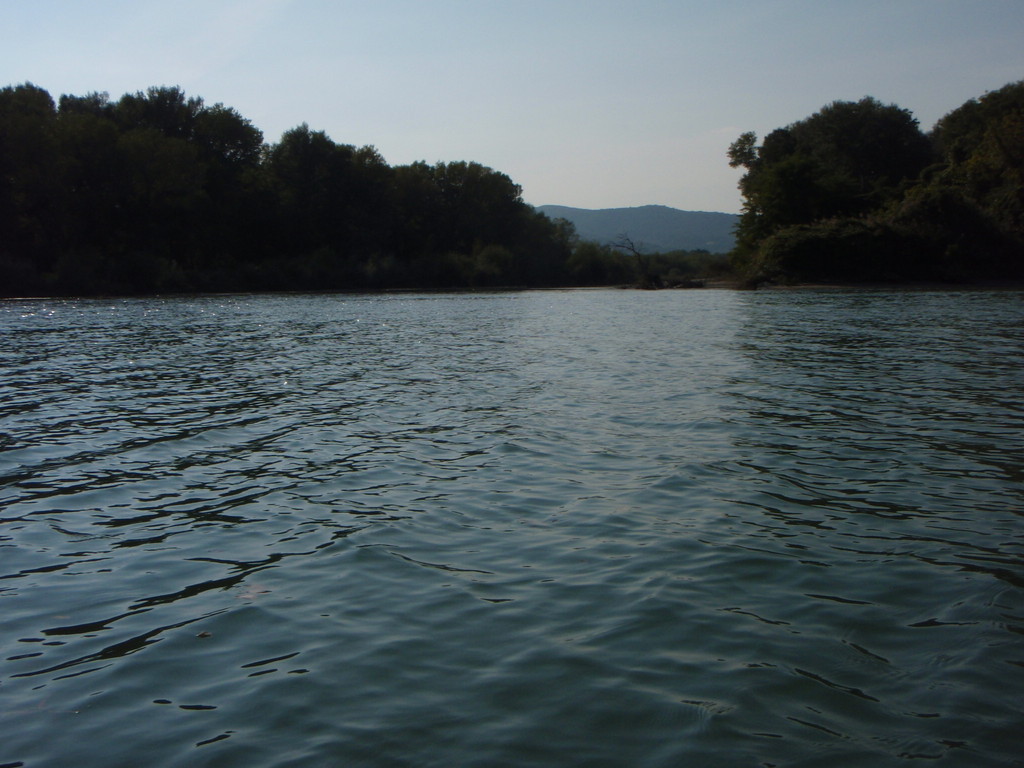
x=541 y=529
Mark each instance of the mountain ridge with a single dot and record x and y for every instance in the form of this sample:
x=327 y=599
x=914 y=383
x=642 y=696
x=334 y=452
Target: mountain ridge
x=653 y=228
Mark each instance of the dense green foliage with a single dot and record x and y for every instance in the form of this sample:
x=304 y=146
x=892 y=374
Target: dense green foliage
x=159 y=192
x=857 y=192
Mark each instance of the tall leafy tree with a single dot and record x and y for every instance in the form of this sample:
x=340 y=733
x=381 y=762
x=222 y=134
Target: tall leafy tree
x=982 y=144
x=95 y=174
x=328 y=195
x=30 y=189
x=165 y=108
x=846 y=159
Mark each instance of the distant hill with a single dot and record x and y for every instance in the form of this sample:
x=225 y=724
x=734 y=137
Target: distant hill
x=654 y=228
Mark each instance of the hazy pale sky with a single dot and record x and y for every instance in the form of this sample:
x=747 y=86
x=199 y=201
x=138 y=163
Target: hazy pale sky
x=587 y=103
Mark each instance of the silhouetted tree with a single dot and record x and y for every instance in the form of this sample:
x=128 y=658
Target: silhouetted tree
x=982 y=144
x=847 y=159
x=31 y=193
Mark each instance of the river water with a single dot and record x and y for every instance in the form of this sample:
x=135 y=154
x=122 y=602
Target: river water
x=570 y=528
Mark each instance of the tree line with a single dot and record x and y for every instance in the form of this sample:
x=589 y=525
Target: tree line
x=159 y=192
x=858 y=193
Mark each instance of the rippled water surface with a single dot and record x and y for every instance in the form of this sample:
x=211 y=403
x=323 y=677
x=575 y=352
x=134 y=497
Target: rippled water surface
x=588 y=528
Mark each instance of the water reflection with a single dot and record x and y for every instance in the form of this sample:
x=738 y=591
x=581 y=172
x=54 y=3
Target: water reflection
x=545 y=528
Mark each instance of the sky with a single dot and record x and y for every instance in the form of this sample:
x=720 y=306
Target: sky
x=585 y=103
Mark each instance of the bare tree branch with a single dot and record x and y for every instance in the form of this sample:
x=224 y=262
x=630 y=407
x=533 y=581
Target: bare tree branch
x=643 y=264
